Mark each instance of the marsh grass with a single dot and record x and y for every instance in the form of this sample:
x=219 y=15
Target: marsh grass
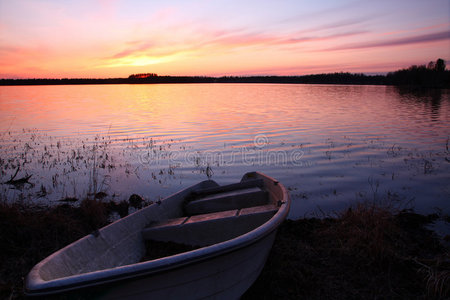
x=80 y=165
x=46 y=169
x=368 y=251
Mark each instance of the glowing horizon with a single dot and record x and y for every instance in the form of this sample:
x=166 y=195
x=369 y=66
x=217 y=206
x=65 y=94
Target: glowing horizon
x=99 y=39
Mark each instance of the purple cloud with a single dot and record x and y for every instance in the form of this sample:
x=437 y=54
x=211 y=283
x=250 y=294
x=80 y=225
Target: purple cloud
x=335 y=25
x=326 y=37
x=424 y=38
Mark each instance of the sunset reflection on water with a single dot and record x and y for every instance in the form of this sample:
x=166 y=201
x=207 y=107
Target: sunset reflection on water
x=330 y=145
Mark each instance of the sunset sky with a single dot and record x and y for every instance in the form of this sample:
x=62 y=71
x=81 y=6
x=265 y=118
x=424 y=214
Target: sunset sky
x=92 y=39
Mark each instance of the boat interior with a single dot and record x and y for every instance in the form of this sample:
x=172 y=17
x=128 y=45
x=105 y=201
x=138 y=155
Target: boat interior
x=216 y=214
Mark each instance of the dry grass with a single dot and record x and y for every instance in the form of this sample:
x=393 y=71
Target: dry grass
x=367 y=252
x=30 y=234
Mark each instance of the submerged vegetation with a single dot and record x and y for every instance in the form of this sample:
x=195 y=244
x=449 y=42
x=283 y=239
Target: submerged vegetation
x=36 y=168
x=42 y=169
x=366 y=251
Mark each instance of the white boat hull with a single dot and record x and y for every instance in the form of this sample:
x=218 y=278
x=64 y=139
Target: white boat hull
x=107 y=264
x=224 y=277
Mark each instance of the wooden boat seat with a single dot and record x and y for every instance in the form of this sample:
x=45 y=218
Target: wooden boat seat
x=224 y=199
x=211 y=228
x=230 y=187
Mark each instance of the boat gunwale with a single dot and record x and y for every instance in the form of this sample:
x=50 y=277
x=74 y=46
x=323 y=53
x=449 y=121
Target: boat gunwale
x=36 y=286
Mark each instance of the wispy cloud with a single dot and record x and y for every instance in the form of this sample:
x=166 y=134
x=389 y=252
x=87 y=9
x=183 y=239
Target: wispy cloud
x=206 y=37
x=135 y=61
x=138 y=47
x=350 y=22
x=417 y=39
x=325 y=37
x=336 y=8
x=209 y=41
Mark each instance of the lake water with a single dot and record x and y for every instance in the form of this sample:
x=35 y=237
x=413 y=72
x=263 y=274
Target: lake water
x=330 y=145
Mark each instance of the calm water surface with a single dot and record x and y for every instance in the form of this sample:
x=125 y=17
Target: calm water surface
x=330 y=145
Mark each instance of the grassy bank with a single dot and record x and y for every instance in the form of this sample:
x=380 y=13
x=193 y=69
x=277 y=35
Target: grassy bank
x=364 y=252
x=31 y=234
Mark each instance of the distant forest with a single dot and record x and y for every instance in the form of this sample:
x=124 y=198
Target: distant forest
x=433 y=75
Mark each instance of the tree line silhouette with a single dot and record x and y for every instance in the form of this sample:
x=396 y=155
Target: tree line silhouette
x=432 y=75
x=142 y=75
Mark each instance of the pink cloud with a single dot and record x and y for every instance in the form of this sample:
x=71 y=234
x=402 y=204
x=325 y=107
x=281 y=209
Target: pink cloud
x=236 y=38
x=136 y=48
x=199 y=42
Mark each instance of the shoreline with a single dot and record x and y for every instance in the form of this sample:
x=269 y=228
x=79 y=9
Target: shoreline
x=434 y=75
x=364 y=251
x=336 y=78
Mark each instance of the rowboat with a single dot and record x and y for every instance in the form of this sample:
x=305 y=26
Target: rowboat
x=232 y=228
